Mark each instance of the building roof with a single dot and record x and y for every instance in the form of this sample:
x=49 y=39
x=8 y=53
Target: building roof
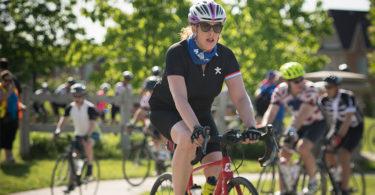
x=348 y=5
x=346 y=24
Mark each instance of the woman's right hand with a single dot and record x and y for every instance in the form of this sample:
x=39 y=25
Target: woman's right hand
x=198 y=135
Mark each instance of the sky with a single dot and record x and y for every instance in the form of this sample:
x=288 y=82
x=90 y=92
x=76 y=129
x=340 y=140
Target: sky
x=97 y=32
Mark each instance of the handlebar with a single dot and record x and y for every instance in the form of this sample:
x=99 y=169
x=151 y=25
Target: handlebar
x=234 y=136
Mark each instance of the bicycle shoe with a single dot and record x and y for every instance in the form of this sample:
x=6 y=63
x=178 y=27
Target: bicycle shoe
x=312 y=187
x=69 y=189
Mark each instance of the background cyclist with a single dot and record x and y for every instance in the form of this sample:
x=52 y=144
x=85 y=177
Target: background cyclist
x=346 y=125
x=196 y=69
x=83 y=115
x=307 y=125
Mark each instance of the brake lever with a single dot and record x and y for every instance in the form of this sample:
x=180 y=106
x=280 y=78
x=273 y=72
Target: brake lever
x=203 y=149
x=272 y=147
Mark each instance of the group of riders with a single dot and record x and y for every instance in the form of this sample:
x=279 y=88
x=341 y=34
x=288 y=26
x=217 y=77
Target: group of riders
x=178 y=105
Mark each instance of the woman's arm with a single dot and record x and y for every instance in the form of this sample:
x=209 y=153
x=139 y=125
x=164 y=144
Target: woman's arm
x=241 y=100
x=178 y=89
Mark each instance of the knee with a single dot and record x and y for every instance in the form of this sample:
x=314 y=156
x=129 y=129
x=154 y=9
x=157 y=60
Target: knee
x=185 y=143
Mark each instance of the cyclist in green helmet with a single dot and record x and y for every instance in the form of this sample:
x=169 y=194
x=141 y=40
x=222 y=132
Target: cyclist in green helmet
x=307 y=126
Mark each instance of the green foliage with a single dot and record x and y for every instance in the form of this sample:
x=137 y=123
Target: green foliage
x=34 y=34
x=42 y=148
x=371 y=30
x=262 y=34
x=266 y=34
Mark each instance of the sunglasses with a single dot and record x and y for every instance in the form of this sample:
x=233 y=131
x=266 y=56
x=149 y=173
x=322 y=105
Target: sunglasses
x=297 y=80
x=206 y=27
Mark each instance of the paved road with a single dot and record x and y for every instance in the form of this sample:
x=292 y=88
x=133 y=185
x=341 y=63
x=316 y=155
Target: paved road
x=120 y=187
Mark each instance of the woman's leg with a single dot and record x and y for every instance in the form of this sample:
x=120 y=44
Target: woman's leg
x=184 y=153
x=212 y=170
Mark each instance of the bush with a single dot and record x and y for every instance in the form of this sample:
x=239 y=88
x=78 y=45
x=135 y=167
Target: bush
x=43 y=146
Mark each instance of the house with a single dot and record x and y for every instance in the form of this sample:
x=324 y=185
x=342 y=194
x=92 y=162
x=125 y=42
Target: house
x=349 y=42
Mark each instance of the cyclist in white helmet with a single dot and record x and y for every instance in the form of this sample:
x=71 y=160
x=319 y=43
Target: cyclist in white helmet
x=196 y=68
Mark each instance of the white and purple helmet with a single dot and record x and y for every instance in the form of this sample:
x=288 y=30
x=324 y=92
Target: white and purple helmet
x=206 y=11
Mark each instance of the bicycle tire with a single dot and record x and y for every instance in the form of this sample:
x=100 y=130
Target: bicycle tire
x=137 y=157
x=235 y=183
x=158 y=187
x=266 y=183
x=357 y=181
x=302 y=181
x=370 y=134
x=87 y=184
x=59 y=167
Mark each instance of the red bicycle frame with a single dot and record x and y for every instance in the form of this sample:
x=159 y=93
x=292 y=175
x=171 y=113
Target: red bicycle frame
x=226 y=174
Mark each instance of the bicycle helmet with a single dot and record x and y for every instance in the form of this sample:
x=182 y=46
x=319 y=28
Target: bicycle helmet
x=292 y=70
x=71 y=81
x=78 y=89
x=206 y=11
x=105 y=86
x=151 y=82
x=4 y=63
x=127 y=75
x=333 y=80
x=155 y=70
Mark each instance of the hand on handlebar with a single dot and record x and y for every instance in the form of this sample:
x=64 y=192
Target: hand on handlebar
x=251 y=135
x=335 y=140
x=56 y=134
x=198 y=135
x=291 y=136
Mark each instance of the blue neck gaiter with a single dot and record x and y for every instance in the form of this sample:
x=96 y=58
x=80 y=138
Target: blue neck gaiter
x=199 y=56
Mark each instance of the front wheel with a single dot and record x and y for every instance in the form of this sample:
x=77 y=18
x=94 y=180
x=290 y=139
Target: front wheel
x=136 y=165
x=60 y=174
x=162 y=185
x=240 y=185
x=90 y=183
x=357 y=183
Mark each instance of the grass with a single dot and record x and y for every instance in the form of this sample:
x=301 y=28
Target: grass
x=36 y=173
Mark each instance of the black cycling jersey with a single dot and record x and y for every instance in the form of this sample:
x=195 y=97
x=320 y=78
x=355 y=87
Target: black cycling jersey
x=343 y=103
x=202 y=86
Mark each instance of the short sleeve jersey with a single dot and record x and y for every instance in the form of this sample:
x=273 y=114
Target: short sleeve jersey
x=346 y=103
x=202 y=85
x=309 y=95
x=81 y=116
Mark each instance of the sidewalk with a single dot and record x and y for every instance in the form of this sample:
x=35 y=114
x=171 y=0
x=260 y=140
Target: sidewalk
x=122 y=187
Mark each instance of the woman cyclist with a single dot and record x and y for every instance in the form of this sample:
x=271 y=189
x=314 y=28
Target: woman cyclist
x=347 y=123
x=196 y=69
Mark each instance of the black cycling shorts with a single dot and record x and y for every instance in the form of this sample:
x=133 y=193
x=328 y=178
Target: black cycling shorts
x=163 y=121
x=351 y=140
x=313 y=132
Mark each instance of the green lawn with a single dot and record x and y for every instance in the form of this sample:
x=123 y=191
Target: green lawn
x=32 y=174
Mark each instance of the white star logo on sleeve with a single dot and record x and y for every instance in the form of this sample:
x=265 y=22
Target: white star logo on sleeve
x=217 y=70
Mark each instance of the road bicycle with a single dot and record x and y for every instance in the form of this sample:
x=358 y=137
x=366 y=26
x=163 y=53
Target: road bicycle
x=71 y=169
x=226 y=182
x=140 y=155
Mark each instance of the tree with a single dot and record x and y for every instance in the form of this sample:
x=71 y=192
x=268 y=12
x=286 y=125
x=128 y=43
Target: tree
x=265 y=34
x=34 y=34
x=140 y=39
x=372 y=37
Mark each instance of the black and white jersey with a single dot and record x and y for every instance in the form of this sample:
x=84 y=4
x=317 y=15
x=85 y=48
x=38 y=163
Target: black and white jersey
x=338 y=107
x=81 y=116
